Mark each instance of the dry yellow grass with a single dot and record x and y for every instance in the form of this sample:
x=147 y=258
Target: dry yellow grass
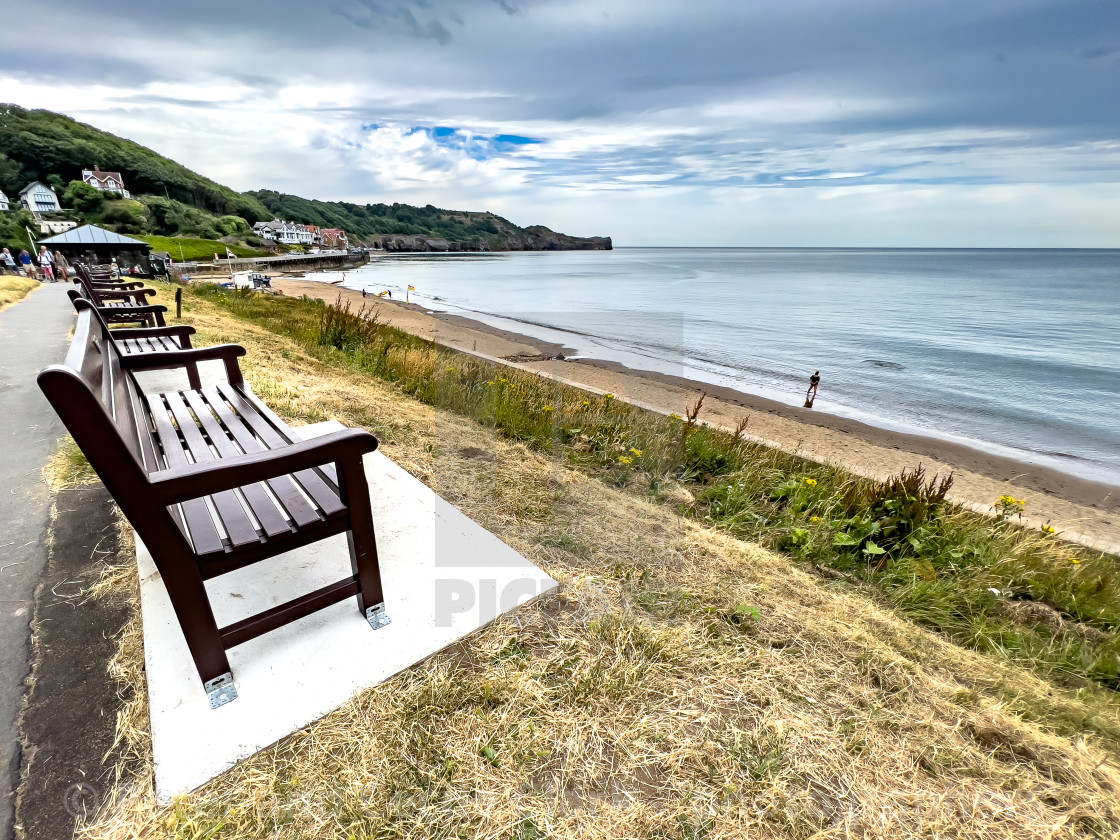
x=15 y=287
x=647 y=700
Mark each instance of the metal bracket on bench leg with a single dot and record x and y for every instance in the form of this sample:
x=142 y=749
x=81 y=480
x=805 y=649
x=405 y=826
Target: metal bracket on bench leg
x=220 y=690
x=377 y=617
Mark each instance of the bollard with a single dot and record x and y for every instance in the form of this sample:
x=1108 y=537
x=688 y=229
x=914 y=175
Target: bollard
x=179 y=303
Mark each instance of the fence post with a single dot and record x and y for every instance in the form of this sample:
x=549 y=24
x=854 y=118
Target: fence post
x=179 y=303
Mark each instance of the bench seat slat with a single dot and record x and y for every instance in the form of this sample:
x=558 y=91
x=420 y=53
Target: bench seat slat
x=240 y=529
x=301 y=512
x=325 y=496
x=264 y=509
x=199 y=525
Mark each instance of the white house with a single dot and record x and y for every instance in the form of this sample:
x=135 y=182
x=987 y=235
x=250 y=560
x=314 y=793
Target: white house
x=4 y=204
x=105 y=181
x=286 y=233
x=39 y=198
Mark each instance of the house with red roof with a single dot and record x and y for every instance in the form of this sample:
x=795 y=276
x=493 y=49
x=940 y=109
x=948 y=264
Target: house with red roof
x=105 y=181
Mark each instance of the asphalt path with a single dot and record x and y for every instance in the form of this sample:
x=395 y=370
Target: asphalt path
x=33 y=334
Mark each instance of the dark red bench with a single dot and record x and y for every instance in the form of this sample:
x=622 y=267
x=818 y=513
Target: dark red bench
x=186 y=466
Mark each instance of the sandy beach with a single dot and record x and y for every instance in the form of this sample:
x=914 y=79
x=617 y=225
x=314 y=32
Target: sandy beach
x=1082 y=510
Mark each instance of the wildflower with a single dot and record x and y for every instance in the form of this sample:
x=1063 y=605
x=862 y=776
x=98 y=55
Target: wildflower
x=452 y=370
x=637 y=452
x=549 y=408
x=1075 y=561
x=585 y=404
x=1048 y=529
x=622 y=459
x=608 y=397
x=503 y=381
x=810 y=482
x=491 y=383
x=814 y=519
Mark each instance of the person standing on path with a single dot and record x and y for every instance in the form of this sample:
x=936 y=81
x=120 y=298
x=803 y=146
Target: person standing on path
x=25 y=264
x=46 y=263
x=9 y=261
x=814 y=381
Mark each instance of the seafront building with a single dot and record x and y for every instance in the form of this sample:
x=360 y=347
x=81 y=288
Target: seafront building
x=286 y=233
x=4 y=203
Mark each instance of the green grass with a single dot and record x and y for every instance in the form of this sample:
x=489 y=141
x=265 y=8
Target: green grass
x=1020 y=595
x=197 y=249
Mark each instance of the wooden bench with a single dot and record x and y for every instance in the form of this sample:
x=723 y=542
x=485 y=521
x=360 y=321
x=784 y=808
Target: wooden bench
x=132 y=341
x=212 y=481
x=123 y=307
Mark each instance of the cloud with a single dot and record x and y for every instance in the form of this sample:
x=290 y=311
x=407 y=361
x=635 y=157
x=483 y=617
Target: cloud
x=548 y=107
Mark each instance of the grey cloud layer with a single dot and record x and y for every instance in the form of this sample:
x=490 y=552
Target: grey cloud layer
x=727 y=92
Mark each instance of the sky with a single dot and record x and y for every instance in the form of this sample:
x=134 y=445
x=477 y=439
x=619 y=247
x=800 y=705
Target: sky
x=946 y=123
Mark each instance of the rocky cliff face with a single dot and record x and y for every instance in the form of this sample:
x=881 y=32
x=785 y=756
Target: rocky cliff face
x=536 y=238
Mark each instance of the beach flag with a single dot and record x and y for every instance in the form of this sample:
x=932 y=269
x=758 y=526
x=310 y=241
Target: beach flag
x=230 y=255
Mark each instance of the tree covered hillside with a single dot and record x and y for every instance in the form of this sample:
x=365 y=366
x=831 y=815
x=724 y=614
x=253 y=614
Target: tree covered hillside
x=370 y=220
x=49 y=147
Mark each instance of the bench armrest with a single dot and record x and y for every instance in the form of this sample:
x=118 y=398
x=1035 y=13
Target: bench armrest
x=180 y=330
x=127 y=314
x=190 y=482
x=134 y=294
x=228 y=353
x=108 y=285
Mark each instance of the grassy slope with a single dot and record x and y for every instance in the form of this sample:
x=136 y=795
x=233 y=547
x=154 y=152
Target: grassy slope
x=14 y=288
x=997 y=587
x=686 y=684
x=197 y=249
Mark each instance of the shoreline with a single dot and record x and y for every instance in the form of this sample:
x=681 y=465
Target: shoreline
x=1082 y=509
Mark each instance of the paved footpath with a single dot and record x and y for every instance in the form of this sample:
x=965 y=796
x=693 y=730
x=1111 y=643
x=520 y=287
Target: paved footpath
x=33 y=334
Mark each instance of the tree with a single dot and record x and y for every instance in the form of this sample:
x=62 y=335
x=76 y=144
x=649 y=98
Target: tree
x=83 y=198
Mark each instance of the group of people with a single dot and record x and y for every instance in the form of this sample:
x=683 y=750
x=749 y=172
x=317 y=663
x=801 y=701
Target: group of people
x=47 y=266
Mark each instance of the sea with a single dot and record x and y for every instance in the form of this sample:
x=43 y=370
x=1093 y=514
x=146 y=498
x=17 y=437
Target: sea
x=1014 y=352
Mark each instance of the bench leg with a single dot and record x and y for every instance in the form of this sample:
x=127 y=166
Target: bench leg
x=196 y=619
x=363 y=544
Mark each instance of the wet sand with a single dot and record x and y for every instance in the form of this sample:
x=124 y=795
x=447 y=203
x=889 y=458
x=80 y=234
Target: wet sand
x=1084 y=510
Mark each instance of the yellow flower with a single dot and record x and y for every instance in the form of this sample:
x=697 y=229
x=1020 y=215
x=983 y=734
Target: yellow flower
x=1075 y=561
x=637 y=452
x=814 y=519
x=585 y=404
x=491 y=382
x=811 y=482
x=1048 y=529
x=548 y=408
x=608 y=396
x=624 y=460
x=504 y=381
x=452 y=370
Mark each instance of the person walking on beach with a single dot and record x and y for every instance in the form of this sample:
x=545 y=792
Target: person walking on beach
x=814 y=381
x=46 y=263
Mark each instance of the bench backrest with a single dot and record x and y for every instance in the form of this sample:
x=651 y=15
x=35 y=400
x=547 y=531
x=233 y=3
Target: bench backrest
x=100 y=404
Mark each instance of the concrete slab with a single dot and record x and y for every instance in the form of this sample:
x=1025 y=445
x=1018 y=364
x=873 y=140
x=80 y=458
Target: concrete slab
x=444 y=576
